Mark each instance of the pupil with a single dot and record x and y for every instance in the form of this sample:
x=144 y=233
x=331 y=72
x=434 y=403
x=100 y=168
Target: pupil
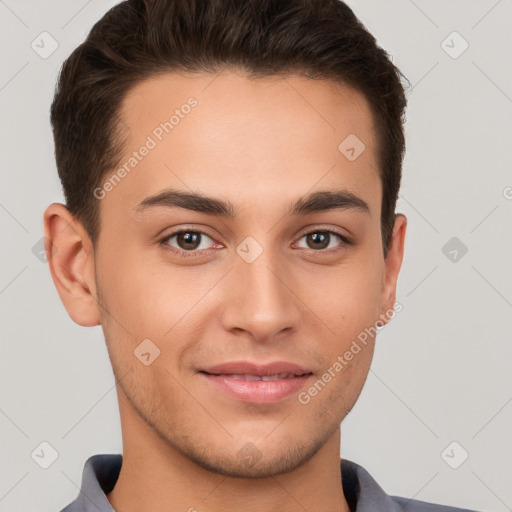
x=320 y=237
x=188 y=240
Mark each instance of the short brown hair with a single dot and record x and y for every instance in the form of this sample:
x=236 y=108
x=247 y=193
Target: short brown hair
x=137 y=39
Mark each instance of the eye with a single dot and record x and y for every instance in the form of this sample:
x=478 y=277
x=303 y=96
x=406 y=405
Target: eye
x=324 y=240
x=187 y=242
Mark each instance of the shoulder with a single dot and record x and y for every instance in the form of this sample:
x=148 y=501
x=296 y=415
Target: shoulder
x=99 y=475
x=364 y=494
x=410 y=505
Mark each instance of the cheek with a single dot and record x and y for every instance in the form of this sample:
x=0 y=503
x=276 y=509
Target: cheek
x=145 y=298
x=153 y=301
x=347 y=298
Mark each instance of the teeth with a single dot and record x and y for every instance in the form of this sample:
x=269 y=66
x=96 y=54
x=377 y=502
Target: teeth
x=262 y=377
x=278 y=376
x=248 y=377
x=270 y=377
x=244 y=377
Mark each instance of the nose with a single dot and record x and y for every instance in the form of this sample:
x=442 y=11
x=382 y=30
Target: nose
x=260 y=299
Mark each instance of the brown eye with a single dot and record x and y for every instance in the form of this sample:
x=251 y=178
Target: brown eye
x=319 y=240
x=323 y=240
x=188 y=241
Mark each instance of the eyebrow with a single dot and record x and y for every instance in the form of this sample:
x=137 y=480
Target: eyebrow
x=314 y=202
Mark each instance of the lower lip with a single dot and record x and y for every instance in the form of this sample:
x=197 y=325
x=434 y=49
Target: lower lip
x=257 y=391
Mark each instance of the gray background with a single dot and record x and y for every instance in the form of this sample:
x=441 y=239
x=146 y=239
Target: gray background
x=441 y=371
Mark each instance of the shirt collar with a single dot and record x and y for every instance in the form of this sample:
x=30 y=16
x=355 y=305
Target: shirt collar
x=362 y=492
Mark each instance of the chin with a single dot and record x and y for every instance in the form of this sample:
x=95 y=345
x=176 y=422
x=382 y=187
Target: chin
x=252 y=460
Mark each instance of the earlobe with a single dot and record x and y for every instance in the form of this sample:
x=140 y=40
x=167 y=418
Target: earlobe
x=392 y=265
x=70 y=255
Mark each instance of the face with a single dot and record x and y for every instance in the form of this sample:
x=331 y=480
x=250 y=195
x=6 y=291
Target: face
x=282 y=266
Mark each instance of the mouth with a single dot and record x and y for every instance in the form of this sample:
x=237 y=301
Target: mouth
x=258 y=384
x=266 y=378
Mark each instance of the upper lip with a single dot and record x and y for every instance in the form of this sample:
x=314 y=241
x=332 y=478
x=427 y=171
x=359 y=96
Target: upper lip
x=248 y=368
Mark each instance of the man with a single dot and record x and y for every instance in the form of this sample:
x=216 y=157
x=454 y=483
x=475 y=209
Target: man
x=231 y=170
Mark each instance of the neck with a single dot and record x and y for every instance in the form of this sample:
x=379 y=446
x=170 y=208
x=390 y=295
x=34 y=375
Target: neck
x=155 y=476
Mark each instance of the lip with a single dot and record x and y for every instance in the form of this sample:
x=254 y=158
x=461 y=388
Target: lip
x=249 y=368
x=256 y=391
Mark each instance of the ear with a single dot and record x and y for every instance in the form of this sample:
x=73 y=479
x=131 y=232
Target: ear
x=70 y=254
x=392 y=265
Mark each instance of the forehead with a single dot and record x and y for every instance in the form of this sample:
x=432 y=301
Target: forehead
x=229 y=135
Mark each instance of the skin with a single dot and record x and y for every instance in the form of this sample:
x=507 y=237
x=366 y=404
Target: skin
x=260 y=144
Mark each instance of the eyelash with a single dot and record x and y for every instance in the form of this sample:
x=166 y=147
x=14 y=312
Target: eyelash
x=195 y=253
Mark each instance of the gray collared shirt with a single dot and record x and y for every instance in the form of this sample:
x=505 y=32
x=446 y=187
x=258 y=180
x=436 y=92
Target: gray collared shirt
x=362 y=492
